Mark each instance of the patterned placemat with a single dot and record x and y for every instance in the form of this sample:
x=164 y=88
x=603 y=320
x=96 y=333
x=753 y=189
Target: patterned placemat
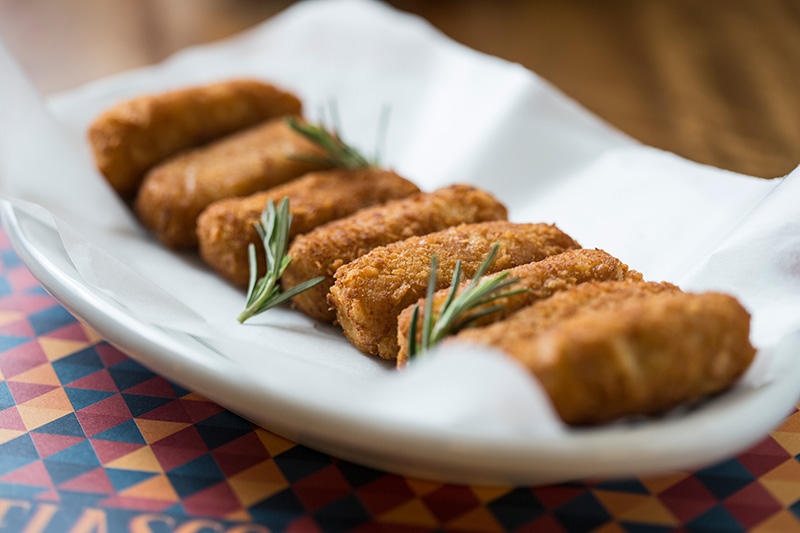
x=91 y=441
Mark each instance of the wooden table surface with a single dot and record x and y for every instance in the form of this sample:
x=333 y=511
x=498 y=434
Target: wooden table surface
x=713 y=81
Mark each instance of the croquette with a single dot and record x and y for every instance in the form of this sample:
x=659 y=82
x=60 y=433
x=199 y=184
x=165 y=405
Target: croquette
x=175 y=192
x=604 y=350
x=133 y=136
x=539 y=280
x=323 y=250
x=226 y=228
x=370 y=292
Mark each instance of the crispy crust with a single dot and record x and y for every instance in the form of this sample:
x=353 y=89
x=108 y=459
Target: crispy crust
x=542 y=279
x=133 y=136
x=175 y=192
x=370 y=292
x=542 y=314
x=226 y=228
x=322 y=251
x=605 y=350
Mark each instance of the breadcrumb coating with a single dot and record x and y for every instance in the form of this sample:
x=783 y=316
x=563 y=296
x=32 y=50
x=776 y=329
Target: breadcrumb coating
x=226 y=228
x=175 y=192
x=322 y=251
x=370 y=292
x=609 y=349
x=540 y=279
x=133 y=136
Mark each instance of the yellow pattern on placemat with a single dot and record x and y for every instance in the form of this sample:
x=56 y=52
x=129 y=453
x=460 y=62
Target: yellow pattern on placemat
x=9 y=317
x=257 y=483
x=239 y=516
x=55 y=349
x=91 y=335
x=650 y=511
x=41 y=375
x=783 y=482
x=155 y=430
x=660 y=483
x=155 y=488
x=411 y=513
x=477 y=519
x=141 y=460
x=489 y=494
x=273 y=443
x=9 y=434
x=45 y=408
x=789 y=440
x=620 y=502
x=782 y=522
x=422 y=487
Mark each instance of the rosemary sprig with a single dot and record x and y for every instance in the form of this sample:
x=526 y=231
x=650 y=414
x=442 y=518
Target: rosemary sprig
x=264 y=294
x=339 y=153
x=455 y=313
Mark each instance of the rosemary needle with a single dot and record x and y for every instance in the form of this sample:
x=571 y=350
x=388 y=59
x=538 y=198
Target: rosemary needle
x=265 y=293
x=458 y=310
x=339 y=153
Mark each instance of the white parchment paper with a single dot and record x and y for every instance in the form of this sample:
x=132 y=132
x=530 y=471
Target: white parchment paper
x=457 y=116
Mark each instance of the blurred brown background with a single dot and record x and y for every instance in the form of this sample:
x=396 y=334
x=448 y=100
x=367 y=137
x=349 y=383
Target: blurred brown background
x=716 y=81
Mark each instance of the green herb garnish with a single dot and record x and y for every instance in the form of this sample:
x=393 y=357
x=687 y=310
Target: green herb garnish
x=454 y=314
x=339 y=153
x=264 y=294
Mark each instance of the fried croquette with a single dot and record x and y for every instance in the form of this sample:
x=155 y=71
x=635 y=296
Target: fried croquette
x=175 y=192
x=226 y=228
x=322 y=251
x=540 y=280
x=370 y=292
x=133 y=136
x=609 y=349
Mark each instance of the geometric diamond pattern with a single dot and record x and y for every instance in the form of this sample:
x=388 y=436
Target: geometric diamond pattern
x=90 y=440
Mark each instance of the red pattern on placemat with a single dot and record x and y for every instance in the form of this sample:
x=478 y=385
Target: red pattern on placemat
x=321 y=488
x=156 y=386
x=688 y=499
x=92 y=482
x=752 y=505
x=240 y=454
x=22 y=358
x=103 y=415
x=179 y=448
x=32 y=475
x=48 y=445
x=217 y=501
x=100 y=380
x=385 y=493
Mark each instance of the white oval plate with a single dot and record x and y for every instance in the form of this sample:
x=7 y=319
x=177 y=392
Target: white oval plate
x=717 y=429
x=458 y=116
